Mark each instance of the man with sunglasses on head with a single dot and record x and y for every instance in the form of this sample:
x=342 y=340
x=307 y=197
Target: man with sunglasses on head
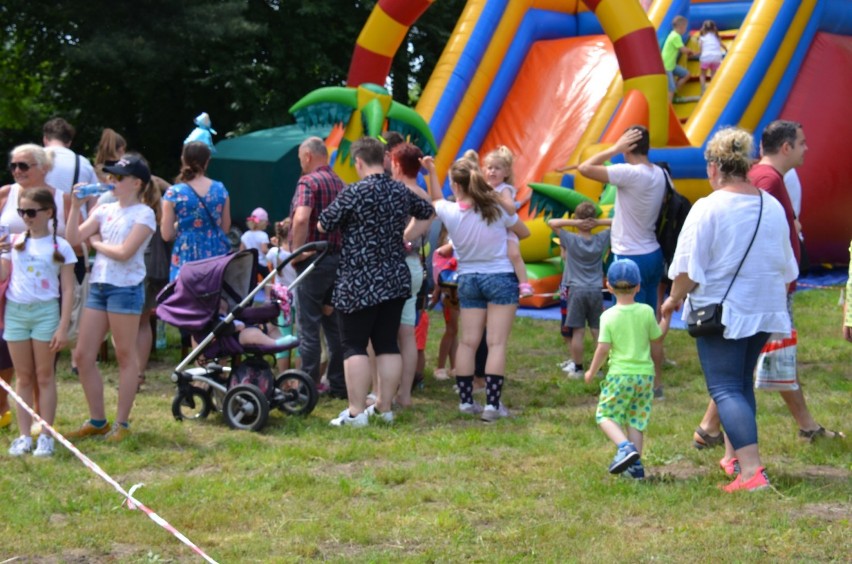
x=69 y=168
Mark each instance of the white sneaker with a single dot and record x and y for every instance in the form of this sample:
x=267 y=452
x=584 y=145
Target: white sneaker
x=441 y=374
x=491 y=413
x=470 y=408
x=346 y=420
x=372 y=412
x=44 y=446
x=20 y=446
x=569 y=366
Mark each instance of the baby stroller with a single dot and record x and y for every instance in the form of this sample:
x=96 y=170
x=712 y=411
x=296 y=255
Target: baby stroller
x=246 y=393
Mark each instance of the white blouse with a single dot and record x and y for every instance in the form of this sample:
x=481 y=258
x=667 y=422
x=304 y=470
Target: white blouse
x=711 y=245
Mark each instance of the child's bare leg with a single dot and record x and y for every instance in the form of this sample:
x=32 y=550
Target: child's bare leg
x=613 y=430
x=577 y=345
x=254 y=336
x=636 y=437
x=702 y=79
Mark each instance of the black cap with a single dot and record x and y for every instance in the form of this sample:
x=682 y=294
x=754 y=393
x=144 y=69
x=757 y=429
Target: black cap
x=131 y=165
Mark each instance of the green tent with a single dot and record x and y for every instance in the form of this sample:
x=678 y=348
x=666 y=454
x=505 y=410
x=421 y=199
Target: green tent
x=261 y=169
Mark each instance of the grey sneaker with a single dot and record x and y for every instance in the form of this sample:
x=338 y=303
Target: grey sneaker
x=44 y=446
x=346 y=420
x=21 y=446
x=470 y=408
x=491 y=413
x=371 y=411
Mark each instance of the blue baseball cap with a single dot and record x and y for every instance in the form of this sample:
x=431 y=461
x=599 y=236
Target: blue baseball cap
x=623 y=273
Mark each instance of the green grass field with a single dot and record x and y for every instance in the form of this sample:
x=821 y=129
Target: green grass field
x=440 y=486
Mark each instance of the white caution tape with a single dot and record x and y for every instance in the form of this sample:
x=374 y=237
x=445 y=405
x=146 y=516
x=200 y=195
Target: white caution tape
x=132 y=502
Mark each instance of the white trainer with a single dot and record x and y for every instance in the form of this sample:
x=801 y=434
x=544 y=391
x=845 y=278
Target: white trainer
x=491 y=413
x=21 y=446
x=470 y=408
x=373 y=412
x=346 y=420
x=44 y=446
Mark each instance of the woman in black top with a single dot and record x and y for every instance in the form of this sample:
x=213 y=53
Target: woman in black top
x=373 y=280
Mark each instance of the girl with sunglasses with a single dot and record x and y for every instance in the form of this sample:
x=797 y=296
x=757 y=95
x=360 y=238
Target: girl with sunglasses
x=119 y=233
x=35 y=325
x=29 y=165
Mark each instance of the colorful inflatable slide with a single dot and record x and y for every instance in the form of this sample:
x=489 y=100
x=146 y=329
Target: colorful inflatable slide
x=555 y=79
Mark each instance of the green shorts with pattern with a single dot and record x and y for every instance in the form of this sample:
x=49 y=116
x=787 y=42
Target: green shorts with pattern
x=626 y=399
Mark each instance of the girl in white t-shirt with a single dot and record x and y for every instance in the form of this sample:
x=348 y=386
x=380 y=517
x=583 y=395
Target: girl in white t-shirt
x=499 y=174
x=711 y=52
x=256 y=237
x=119 y=232
x=487 y=289
x=36 y=324
x=283 y=279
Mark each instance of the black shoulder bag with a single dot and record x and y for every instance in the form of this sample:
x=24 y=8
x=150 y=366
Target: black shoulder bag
x=707 y=320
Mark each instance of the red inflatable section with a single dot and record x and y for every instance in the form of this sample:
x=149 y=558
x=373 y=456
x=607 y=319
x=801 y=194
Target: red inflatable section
x=542 y=131
x=819 y=100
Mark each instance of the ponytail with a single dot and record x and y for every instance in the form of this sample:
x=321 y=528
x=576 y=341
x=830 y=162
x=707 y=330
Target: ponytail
x=485 y=200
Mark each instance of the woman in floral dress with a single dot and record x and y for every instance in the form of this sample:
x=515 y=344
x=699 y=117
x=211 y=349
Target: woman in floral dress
x=196 y=211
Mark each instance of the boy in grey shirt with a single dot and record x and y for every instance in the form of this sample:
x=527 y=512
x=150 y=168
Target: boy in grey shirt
x=583 y=275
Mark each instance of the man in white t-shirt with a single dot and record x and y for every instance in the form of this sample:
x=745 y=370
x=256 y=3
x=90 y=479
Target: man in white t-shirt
x=68 y=167
x=641 y=187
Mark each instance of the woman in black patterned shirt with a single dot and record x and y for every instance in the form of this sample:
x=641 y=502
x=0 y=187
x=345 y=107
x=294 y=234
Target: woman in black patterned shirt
x=373 y=280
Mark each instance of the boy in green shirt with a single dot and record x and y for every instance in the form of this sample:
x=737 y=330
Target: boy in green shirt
x=672 y=49
x=627 y=333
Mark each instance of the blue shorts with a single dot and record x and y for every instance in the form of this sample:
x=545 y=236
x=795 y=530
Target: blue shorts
x=37 y=321
x=479 y=290
x=116 y=299
x=679 y=72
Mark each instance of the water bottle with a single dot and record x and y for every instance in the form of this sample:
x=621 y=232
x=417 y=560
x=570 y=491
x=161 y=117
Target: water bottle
x=161 y=334
x=92 y=190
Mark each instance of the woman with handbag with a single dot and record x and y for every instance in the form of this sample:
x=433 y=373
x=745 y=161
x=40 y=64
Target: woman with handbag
x=196 y=211
x=727 y=261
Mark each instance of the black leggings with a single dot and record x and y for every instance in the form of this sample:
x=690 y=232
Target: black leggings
x=378 y=324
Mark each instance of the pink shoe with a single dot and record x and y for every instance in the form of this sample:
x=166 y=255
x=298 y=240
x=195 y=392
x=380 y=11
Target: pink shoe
x=731 y=466
x=526 y=290
x=757 y=482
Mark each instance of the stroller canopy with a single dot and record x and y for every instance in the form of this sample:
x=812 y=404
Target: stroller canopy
x=191 y=302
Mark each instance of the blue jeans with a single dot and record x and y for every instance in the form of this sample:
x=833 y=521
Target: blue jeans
x=728 y=366
x=651 y=271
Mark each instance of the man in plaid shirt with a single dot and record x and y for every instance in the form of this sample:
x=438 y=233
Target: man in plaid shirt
x=315 y=191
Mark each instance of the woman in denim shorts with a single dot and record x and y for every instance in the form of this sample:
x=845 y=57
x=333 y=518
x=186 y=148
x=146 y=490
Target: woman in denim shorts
x=488 y=286
x=116 y=292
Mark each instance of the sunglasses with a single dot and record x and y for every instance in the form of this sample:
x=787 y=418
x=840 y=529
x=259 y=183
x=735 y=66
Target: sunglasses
x=23 y=167
x=117 y=177
x=29 y=212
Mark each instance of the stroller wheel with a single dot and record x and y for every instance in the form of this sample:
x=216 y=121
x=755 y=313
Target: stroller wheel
x=245 y=408
x=295 y=393
x=191 y=403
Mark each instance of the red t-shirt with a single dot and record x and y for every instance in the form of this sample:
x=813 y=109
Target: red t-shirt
x=767 y=178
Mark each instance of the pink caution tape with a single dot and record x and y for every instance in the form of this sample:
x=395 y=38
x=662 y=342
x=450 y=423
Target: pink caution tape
x=130 y=501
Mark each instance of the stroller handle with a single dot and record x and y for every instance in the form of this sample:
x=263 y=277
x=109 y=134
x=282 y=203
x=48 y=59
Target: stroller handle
x=313 y=247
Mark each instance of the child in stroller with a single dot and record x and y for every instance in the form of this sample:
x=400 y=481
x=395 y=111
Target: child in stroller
x=210 y=299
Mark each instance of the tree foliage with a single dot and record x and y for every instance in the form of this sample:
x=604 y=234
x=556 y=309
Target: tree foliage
x=147 y=68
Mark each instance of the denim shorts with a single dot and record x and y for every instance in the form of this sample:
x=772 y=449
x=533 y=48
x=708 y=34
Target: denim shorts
x=679 y=72
x=476 y=291
x=116 y=299
x=37 y=321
